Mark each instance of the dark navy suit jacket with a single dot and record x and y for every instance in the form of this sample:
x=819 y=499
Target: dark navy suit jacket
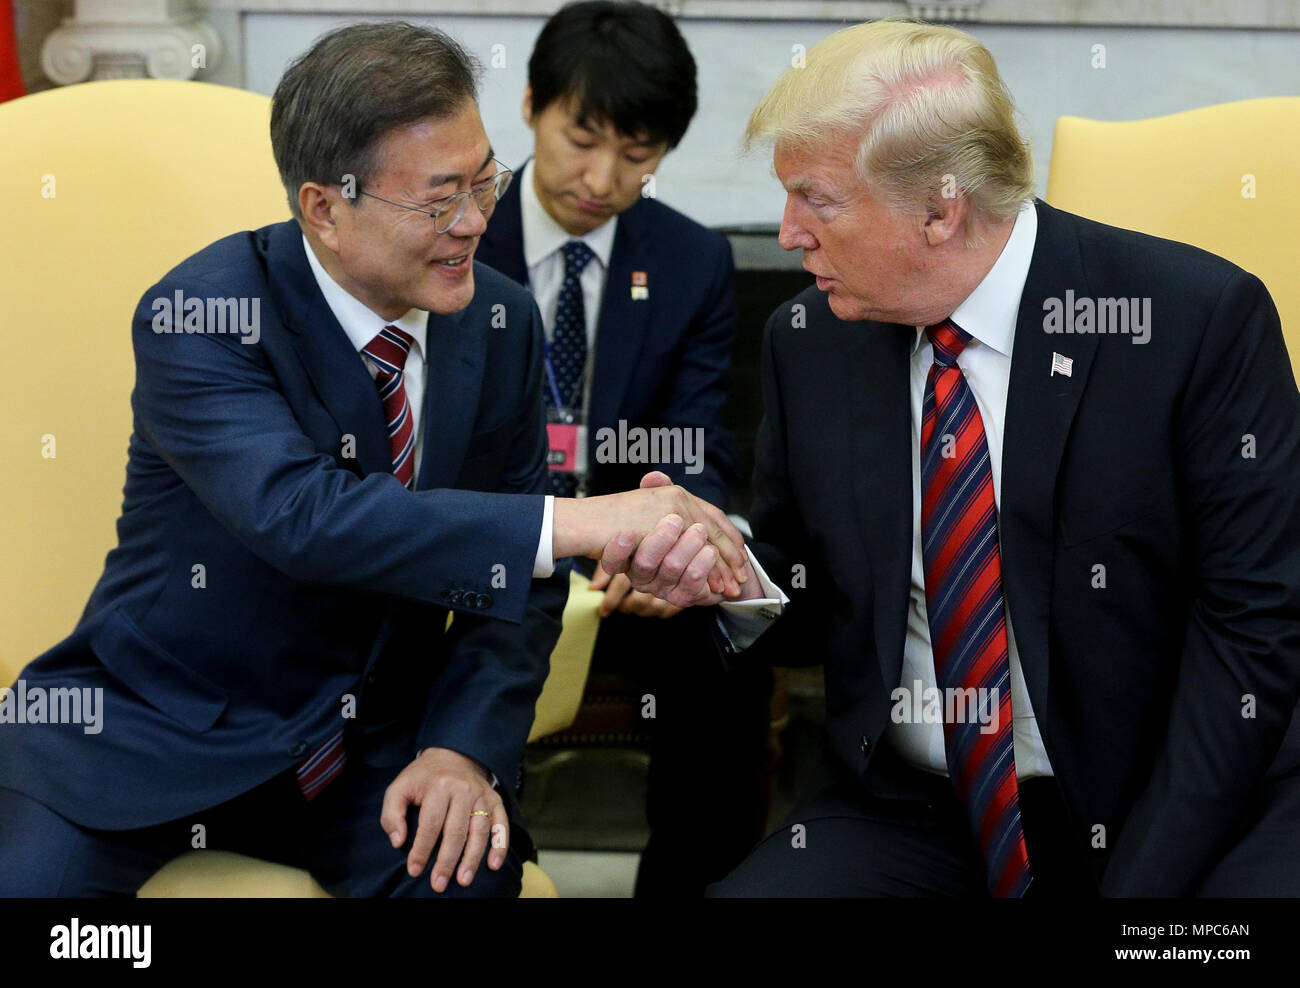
x=323 y=580
x=1133 y=462
x=660 y=361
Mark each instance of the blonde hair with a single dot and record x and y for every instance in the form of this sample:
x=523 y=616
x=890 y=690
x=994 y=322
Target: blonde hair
x=927 y=105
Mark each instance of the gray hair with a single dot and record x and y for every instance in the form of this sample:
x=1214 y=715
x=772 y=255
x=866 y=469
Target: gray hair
x=336 y=103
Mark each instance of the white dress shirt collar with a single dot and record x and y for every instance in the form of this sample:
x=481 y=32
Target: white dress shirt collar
x=359 y=322
x=989 y=313
x=543 y=236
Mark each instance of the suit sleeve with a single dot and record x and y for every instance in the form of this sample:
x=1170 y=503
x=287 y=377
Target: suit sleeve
x=482 y=702
x=211 y=408
x=1238 y=679
x=698 y=392
x=781 y=541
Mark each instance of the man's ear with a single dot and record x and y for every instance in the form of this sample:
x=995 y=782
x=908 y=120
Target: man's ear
x=317 y=203
x=527 y=107
x=945 y=218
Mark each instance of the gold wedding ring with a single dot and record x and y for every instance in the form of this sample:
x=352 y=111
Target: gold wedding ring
x=480 y=813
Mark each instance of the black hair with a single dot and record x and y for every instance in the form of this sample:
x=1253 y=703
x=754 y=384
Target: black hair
x=623 y=64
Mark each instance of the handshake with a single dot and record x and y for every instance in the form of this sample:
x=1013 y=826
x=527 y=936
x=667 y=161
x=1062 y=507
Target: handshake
x=670 y=544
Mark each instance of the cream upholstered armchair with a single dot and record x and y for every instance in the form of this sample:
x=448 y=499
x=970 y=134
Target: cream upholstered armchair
x=103 y=188
x=1225 y=178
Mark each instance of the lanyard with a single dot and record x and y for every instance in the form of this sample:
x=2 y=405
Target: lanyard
x=580 y=387
x=583 y=385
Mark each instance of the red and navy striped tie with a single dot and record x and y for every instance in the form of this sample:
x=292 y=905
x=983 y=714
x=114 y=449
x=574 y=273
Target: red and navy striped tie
x=322 y=768
x=388 y=351
x=968 y=627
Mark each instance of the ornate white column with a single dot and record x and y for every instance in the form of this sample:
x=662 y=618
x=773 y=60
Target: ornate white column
x=130 y=39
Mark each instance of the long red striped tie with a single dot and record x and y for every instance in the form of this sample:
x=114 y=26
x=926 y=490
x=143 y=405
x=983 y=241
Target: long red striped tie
x=968 y=627
x=388 y=352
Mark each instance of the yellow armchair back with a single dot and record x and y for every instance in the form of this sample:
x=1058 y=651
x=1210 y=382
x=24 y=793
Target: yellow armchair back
x=104 y=187
x=1225 y=178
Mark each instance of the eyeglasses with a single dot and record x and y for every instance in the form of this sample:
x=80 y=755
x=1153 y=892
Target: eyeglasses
x=447 y=212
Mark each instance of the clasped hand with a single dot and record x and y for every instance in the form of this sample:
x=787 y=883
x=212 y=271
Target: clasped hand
x=691 y=556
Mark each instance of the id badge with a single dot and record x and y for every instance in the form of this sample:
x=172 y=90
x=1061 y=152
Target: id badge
x=566 y=439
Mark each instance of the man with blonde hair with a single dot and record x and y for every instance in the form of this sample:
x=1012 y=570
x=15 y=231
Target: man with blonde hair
x=1029 y=487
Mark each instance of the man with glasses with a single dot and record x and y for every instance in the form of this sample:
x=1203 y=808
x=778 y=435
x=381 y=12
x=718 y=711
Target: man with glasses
x=301 y=514
x=446 y=212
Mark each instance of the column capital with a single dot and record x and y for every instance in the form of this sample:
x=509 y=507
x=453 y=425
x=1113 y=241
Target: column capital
x=130 y=39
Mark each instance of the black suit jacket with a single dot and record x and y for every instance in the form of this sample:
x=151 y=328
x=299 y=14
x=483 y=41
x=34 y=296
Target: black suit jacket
x=660 y=361
x=1163 y=699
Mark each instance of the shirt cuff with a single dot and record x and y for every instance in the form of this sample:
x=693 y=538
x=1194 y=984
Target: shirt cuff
x=743 y=621
x=544 y=564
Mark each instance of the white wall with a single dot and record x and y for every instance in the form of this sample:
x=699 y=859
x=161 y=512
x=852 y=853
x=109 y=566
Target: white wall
x=1149 y=71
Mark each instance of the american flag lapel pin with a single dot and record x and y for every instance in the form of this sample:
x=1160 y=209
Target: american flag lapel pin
x=1062 y=365
x=640 y=286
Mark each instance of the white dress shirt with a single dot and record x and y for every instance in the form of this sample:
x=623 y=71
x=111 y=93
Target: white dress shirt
x=989 y=315
x=543 y=240
x=361 y=326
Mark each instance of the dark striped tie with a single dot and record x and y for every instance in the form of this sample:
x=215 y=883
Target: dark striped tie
x=968 y=628
x=322 y=767
x=569 y=349
x=388 y=352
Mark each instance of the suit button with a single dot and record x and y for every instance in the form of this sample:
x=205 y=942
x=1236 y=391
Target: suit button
x=865 y=747
x=455 y=596
x=297 y=748
x=485 y=600
x=446 y=595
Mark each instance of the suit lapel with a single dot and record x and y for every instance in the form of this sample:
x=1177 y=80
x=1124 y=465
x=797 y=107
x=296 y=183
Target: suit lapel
x=624 y=322
x=455 y=355
x=339 y=376
x=877 y=393
x=1040 y=408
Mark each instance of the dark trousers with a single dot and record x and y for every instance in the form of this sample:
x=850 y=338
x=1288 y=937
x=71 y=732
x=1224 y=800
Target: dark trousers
x=854 y=844
x=846 y=842
x=705 y=800
x=336 y=837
